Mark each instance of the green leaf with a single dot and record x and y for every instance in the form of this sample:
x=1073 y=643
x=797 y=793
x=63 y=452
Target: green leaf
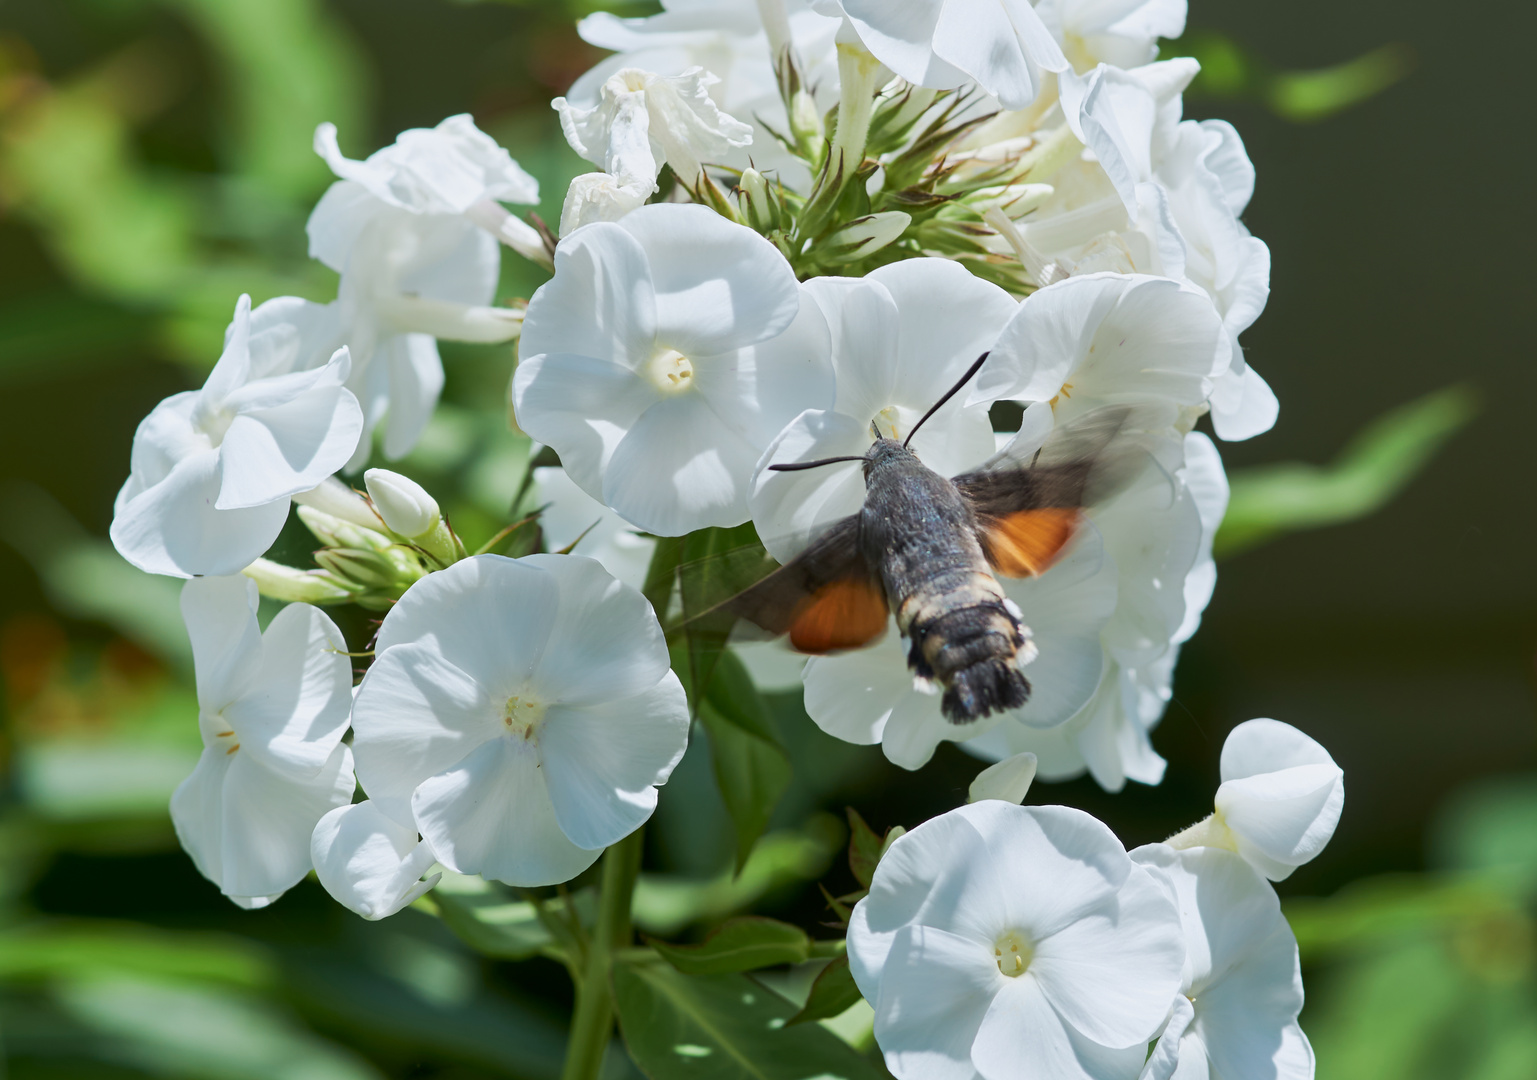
x=1313 y=95
x=485 y=917
x=714 y=565
x=97 y=948
x=832 y=994
x=665 y=903
x=722 y=1027
x=1270 y=500
x=744 y=944
x=750 y=765
x=864 y=848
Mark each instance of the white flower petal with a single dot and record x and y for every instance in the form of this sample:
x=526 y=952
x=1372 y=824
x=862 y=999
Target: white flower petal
x=1001 y=43
x=1165 y=1058
x=604 y=642
x=296 y=714
x=583 y=407
x=490 y=814
x=220 y=613
x=789 y=508
x=1022 y=1026
x=934 y=990
x=719 y=286
x=247 y=826
x=603 y=762
x=902 y=37
x=1007 y=781
x=173 y=528
x=415 y=382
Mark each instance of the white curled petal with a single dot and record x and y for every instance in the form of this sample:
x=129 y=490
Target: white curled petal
x=491 y=814
x=276 y=453
x=597 y=197
x=368 y=862
x=718 y=286
x=901 y=36
x=604 y=642
x=173 y=528
x=220 y=614
x=1001 y=43
x=680 y=467
x=1044 y=339
x=603 y=761
x=1243 y=405
x=1256 y=747
x=1284 y=818
x=1165 y=1058
x=296 y=714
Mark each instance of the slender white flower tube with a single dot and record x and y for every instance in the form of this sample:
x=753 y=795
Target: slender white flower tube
x=370 y=863
x=521 y=713
x=1236 y=1010
x=272 y=709
x=1280 y=799
x=669 y=349
x=213 y=469
x=1003 y=941
x=671 y=116
x=900 y=337
x=1000 y=44
x=403 y=228
x=1121 y=32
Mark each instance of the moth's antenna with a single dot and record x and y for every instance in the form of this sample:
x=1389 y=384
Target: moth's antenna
x=950 y=393
x=797 y=466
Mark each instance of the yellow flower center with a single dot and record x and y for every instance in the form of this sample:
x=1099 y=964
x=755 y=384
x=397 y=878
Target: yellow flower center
x=886 y=422
x=1013 y=952
x=523 y=714
x=671 y=371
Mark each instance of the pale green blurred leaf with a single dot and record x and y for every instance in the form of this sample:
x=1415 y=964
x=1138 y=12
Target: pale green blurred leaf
x=1314 y=95
x=744 y=944
x=722 y=1027
x=74 y=780
x=86 y=578
x=487 y=917
x=1491 y=828
x=1270 y=500
x=79 y=947
x=202 y=1032
x=665 y=903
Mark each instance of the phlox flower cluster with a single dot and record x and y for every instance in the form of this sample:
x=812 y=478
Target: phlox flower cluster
x=807 y=223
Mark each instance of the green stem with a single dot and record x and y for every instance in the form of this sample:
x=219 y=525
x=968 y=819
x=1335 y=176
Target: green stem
x=593 y=1023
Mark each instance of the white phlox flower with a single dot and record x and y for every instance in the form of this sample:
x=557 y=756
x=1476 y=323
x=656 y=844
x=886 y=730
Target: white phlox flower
x=1158 y=536
x=575 y=517
x=1124 y=33
x=1191 y=180
x=272 y=709
x=900 y=338
x=369 y=862
x=1104 y=339
x=671 y=117
x=728 y=39
x=669 y=349
x=213 y=470
x=1236 y=1011
x=413 y=233
x=1000 y=941
x=1002 y=45
x=869 y=695
x=1280 y=799
x=521 y=714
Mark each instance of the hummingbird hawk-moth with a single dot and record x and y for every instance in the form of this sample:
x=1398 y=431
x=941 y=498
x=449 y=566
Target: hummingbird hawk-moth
x=928 y=548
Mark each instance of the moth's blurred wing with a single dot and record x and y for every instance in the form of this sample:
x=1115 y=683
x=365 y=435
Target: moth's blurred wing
x=1029 y=498
x=826 y=598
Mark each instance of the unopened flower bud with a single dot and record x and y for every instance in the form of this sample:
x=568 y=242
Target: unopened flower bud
x=339 y=501
x=296 y=586
x=864 y=236
x=759 y=207
x=334 y=532
x=364 y=569
x=404 y=504
x=1007 y=781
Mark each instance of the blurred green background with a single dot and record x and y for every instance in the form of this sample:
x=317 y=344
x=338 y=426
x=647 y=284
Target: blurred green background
x=155 y=162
